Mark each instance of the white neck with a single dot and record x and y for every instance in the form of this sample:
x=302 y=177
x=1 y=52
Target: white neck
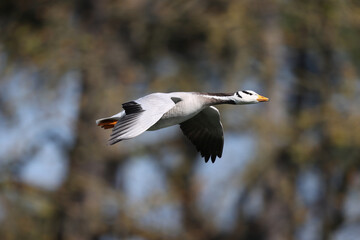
x=217 y=98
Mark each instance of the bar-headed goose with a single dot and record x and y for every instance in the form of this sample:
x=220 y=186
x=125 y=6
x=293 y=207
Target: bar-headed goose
x=194 y=111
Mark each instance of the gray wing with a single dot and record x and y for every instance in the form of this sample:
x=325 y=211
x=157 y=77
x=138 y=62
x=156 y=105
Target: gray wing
x=205 y=131
x=140 y=115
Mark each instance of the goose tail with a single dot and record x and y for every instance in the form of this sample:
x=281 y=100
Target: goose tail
x=108 y=122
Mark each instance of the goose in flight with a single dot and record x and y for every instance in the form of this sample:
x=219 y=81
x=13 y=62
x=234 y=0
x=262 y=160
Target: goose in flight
x=194 y=111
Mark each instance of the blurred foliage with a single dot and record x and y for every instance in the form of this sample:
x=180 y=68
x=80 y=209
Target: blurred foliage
x=304 y=54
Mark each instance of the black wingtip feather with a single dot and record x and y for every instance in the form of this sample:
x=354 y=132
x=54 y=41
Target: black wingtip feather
x=132 y=107
x=112 y=142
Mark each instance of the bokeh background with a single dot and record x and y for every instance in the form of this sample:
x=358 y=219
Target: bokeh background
x=290 y=168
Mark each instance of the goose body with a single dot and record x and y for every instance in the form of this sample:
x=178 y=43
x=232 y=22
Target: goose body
x=193 y=111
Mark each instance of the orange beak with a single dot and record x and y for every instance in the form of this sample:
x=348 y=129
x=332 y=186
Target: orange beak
x=262 y=99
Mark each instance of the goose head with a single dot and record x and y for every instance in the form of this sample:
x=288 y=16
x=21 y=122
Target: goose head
x=248 y=97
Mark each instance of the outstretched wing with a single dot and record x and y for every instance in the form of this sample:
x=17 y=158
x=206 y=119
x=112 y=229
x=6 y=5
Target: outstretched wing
x=140 y=115
x=205 y=131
